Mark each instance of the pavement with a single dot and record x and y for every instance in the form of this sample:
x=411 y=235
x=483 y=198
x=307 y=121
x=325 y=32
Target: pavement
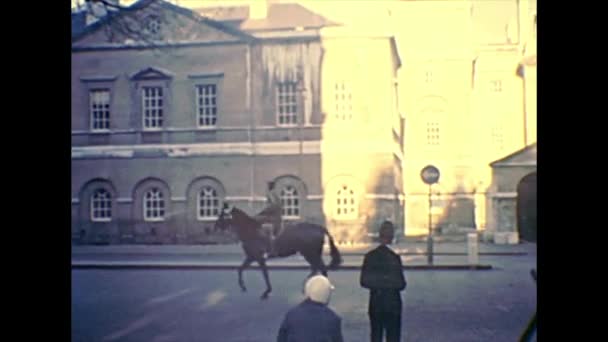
x=448 y=255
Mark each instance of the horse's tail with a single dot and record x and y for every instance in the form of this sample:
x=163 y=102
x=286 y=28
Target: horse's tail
x=336 y=258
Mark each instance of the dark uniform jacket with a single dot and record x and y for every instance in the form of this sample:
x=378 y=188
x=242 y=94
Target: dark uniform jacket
x=382 y=274
x=310 y=322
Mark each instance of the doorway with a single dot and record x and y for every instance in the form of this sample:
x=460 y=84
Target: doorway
x=526 y=208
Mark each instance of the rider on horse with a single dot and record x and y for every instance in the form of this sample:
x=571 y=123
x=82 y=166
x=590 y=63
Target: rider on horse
x=272 y=213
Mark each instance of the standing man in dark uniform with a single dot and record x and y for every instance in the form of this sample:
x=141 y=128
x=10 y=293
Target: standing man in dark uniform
x=382 y=274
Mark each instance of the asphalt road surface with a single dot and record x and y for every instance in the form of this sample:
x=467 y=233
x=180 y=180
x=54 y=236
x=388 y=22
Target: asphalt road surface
x=154 y=305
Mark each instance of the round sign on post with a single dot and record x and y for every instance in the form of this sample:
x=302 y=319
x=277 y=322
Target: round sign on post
x=430 y=174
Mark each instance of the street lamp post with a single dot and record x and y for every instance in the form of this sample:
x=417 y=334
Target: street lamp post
x=429 y=240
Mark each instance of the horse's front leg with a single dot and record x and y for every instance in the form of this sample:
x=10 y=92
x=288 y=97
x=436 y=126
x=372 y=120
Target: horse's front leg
x=245 y=264
x=262 y=263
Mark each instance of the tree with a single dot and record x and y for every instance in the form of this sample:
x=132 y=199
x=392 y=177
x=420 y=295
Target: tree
x=126 y=24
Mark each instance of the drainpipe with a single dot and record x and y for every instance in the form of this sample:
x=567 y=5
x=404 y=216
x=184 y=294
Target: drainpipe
x=522 y=74
x=250 y=132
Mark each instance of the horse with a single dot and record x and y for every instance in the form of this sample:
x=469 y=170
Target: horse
x=305 y=238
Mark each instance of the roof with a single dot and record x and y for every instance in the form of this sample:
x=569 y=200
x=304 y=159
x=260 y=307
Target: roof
x=144 y=3
x=524 y=157
x=279 y=17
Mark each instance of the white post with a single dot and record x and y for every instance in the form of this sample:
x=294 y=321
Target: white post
x=472 y=249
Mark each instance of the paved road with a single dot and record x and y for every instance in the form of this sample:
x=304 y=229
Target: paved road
x=155 y=305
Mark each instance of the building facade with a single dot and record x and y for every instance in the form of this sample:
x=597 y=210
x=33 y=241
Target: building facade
x=213 y=104
x=466 y=105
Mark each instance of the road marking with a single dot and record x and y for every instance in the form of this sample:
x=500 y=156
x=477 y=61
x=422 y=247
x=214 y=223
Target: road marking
x=136 y=325
x=168 y=297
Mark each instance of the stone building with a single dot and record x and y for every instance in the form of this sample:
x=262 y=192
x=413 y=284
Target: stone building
x=208 y=107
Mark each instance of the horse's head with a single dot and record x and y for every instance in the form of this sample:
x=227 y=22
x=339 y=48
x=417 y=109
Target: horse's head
x=231 y=216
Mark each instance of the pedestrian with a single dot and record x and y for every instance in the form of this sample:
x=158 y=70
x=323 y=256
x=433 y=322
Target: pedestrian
x=382 y=274
x=312 y=320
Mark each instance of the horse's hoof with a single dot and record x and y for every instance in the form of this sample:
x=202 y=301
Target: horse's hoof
x=243 y=289
x=264 y=297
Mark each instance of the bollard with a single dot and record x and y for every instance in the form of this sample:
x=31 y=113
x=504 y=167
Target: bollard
x=472 y=249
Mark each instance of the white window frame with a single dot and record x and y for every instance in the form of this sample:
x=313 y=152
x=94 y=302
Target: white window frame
x=496 y=86
x=101 y=197
x=433 y=133
x=153 y=203
x=287 y=104
x=343 y=97
x=347 y=204
x=99 y=115
x=210 y=194
x=428 y=77
x=290 y=202
x=159 y=108
x=498 y=137
x=206 y=111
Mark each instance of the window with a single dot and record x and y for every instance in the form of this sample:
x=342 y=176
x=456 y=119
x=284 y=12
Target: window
x=153 y=25
x=154 y=205
x=346 y=203
x=432 y=133
x=152 y=104
x=428 y=77
x=498 y=138
x=206 y=104
x=100 y=109
x=343 y=97
x=496 y=86
x=208 y=204
x=287 y=104
x=101 y=206
x=290 y=202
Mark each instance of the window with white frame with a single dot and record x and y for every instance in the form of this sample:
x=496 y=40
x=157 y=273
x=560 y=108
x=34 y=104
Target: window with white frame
x=154 y=205
x=432 y=133
x=99 y=100
x=206 y=105
x=428 y=77
x=208 y=204
x=498 y=138
x=290 y=202
x=346 y=203
x=287 y=109
x=101 y=206
x=496 y=86
x=343 y=100
x=152 y=107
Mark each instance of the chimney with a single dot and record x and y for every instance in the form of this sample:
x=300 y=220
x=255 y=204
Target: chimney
x=258 y=9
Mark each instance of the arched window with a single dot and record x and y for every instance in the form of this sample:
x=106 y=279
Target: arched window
x=346 y=203
x=290 y=202
x=101 y=206
x=154 y=205
x=208 y=204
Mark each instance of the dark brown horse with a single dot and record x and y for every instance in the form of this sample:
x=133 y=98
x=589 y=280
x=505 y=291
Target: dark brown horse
x=305 y=238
